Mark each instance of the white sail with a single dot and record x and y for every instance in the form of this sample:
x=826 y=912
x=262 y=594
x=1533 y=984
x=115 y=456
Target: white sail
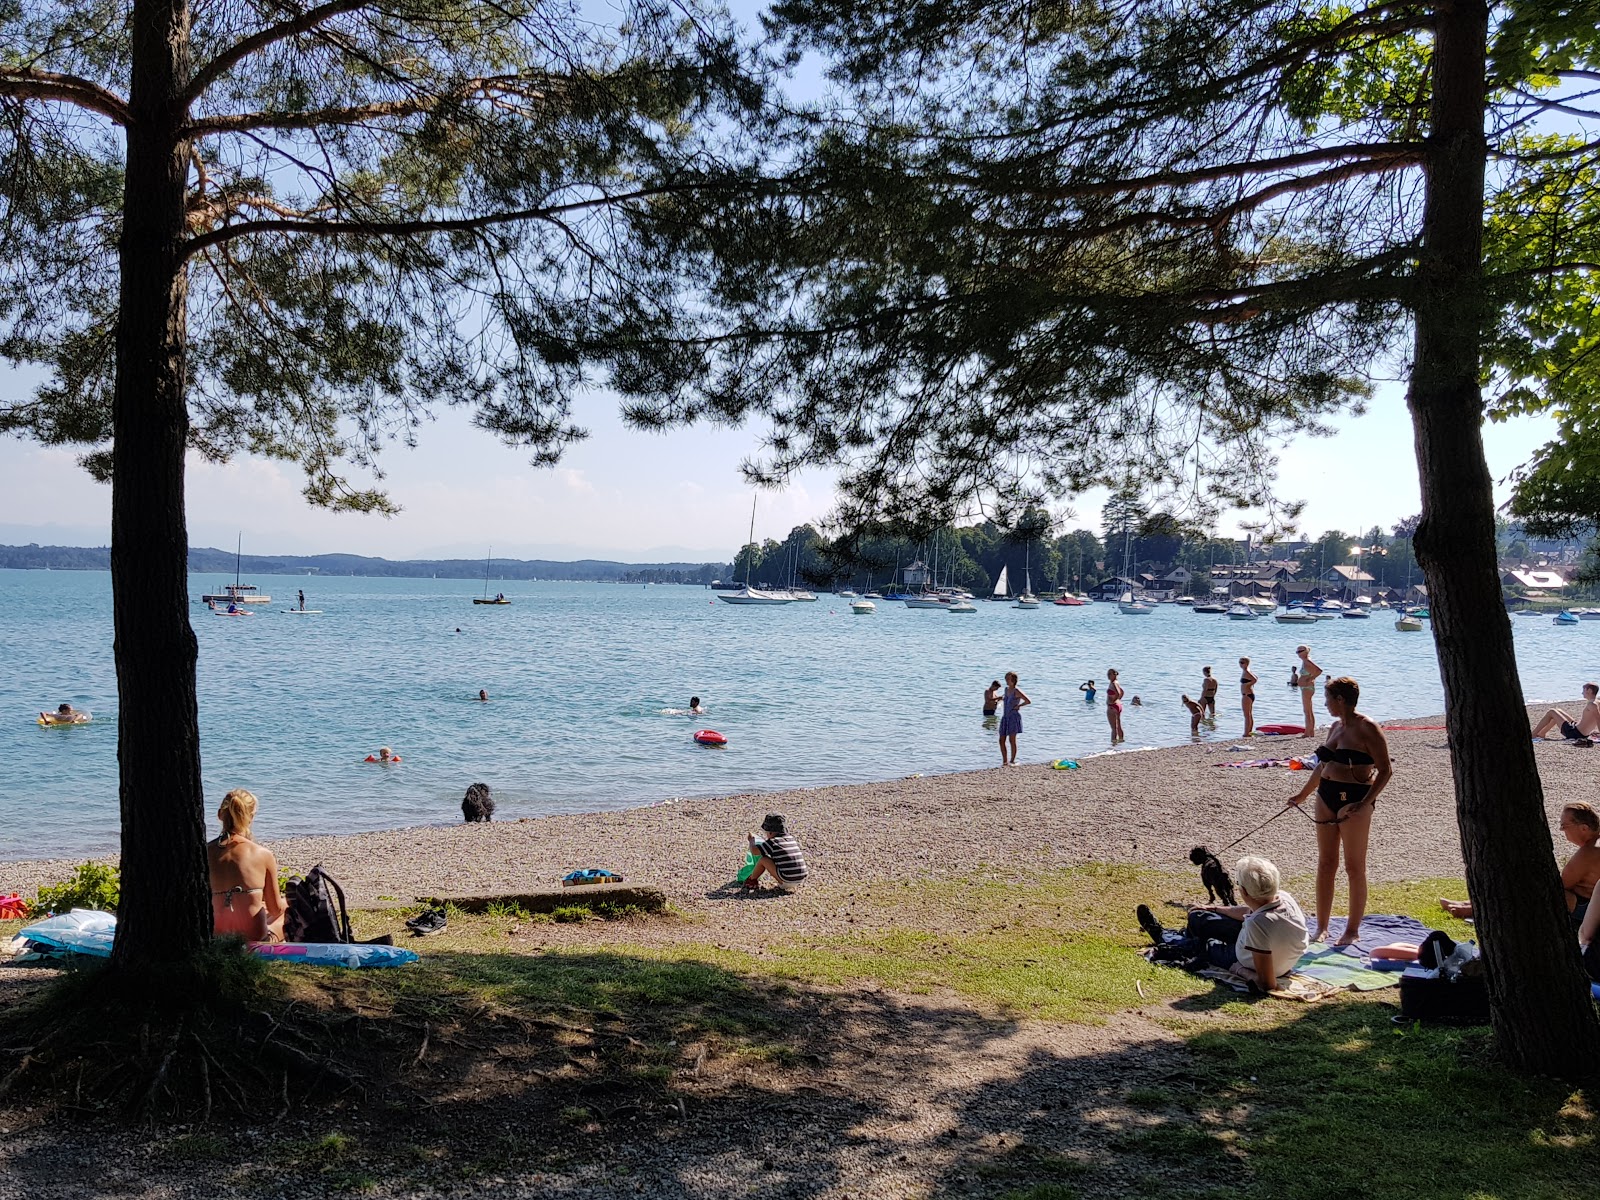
x=1000 y=584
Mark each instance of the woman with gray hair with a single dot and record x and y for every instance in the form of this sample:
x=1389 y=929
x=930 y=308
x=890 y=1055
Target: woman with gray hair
x=1260 y=940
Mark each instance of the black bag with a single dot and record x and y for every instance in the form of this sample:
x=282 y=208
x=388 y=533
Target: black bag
x=1463 y=1000
x=314 y=909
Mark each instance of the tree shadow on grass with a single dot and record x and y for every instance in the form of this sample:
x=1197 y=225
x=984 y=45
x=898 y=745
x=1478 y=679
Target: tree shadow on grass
x=510 y=1074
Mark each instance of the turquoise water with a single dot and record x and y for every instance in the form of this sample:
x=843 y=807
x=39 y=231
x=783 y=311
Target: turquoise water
x=579 y=675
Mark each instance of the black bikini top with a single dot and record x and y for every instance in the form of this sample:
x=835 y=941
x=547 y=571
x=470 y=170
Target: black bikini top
x=1345 y=758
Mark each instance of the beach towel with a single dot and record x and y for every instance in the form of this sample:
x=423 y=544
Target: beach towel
x=1325 y=968
x=1412 y=728
x=1291 y=763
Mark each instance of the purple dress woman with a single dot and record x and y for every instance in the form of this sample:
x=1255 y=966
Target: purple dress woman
x=1011 y=719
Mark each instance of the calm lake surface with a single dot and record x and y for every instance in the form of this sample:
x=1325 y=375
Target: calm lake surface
x=579 y=676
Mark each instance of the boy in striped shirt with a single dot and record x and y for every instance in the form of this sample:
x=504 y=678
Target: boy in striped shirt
x=779 y=856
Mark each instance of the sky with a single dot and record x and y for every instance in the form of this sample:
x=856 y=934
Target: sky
x=632 y=496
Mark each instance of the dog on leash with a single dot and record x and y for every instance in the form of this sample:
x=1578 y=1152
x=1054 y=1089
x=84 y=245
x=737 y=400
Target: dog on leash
x=477 y=805
x=1213 y=874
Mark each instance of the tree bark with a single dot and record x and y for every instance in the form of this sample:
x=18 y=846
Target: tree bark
x=1544 y=1020
x=165 y=913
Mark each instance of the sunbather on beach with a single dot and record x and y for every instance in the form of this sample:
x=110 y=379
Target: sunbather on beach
x=1586 y=726
x=1580 y=825
x=778 y=855
x=1260 y=940
x=244 y=875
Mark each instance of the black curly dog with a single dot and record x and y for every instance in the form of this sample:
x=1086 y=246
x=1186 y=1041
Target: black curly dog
x=477 y=805
x=1213 y=874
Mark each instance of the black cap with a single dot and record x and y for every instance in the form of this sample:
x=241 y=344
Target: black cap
x=773 y=825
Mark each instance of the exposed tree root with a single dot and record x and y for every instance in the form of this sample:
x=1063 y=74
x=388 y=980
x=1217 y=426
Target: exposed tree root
x=181 y=1044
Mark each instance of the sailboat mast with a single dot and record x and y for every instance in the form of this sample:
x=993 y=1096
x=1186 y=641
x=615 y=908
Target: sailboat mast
x=750 y=545
x=486 y=563
x=238 y=551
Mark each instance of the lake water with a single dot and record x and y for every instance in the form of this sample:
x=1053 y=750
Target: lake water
x=579 y=676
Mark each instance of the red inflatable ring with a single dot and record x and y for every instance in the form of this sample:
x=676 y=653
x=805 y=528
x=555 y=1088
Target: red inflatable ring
x=1281 y=729
x=709 y=737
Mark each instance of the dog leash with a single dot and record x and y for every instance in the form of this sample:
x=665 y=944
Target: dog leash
x=1267 y=822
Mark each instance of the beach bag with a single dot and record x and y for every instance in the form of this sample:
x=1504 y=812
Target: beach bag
x=315 y=909
x=1427 y=996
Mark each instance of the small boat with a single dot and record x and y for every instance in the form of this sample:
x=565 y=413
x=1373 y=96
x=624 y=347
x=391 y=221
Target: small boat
x=1325 y=610
x=929 y=600
x=863 y=608
x=750 y=595
x=236 y=592
x=1068 y=600
x=1186 y=601
x=847 y=594
x=1210 y=607
x=1408 y=624
x=1356 y=613
x=1130 y=607
x=1586 y=614
x=1295 y=616
x=499 y=597
x=1026 y=600
x=1000 y=592
x=962 y=606
x=873 y=596
x=1261 y=604
x=1564 y=618
x=802 y=596
x=1243 y=612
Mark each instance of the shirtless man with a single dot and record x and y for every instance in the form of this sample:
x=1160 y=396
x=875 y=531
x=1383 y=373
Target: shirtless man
x=244 y=876
x=1588 y=722
x=1580 y=825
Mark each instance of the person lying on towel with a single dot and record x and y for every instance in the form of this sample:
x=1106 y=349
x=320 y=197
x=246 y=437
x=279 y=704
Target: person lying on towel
x=1260 y=940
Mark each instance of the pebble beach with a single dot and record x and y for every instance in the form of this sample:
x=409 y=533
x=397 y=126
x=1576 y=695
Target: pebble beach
x=1140 y=807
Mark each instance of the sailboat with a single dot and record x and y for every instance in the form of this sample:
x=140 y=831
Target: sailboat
x=1027 y=599
x=747 y=594
x=1127 y=604
x=236 y=592
x=1000 y=592
x=499 y=597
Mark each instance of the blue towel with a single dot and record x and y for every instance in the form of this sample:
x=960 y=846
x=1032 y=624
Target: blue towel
x=1378 y=929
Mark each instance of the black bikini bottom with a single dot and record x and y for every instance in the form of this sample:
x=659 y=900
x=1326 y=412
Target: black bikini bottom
x=1337 y=795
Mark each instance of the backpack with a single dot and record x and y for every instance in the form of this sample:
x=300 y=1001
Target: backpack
x=314 y=909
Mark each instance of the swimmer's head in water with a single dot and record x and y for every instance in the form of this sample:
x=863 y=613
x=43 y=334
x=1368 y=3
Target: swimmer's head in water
x=482 y=695
x=694 y=701
x=384 y=753
x=63 y=708
x=237 y=813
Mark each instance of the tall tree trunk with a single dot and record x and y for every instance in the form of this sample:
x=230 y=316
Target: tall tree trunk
x=1544 y=1019
x=165 y=914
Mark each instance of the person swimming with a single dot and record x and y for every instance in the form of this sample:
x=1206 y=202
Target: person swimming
x=694 y=707
x=483 y=694
x=991 y=699
x=384 y=755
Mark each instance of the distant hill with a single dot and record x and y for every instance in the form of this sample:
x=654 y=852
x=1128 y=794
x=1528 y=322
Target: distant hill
x=204 y=559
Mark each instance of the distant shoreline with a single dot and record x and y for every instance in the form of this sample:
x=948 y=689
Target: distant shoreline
x=208 y=560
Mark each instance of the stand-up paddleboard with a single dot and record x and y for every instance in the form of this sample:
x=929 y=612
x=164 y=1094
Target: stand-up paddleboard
x=303 y=612
x=85 y=931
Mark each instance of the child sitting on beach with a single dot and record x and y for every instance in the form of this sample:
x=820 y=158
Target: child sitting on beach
x=777 y=855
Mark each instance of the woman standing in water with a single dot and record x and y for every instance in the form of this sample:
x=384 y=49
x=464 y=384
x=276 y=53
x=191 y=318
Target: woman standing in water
x=1247 y=696
x=1306 y=681
x=1011 y=720
x=1352 y=769
x=1114 y=694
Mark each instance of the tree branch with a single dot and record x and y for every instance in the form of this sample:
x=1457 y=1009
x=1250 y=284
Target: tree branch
x=239 y=122
x=354 y=228
x=231 y=57
x=26 y=83
x=1376 y=153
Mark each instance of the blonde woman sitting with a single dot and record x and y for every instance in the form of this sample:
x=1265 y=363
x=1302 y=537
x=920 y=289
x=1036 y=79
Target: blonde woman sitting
x=244 y=876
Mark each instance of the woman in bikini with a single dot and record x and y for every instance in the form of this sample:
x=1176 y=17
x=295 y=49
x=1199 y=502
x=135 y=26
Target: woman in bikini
x=1114 y=694
x=1306 y=681
x=1247 y=696
x=244 y=876
x=1352 y=770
